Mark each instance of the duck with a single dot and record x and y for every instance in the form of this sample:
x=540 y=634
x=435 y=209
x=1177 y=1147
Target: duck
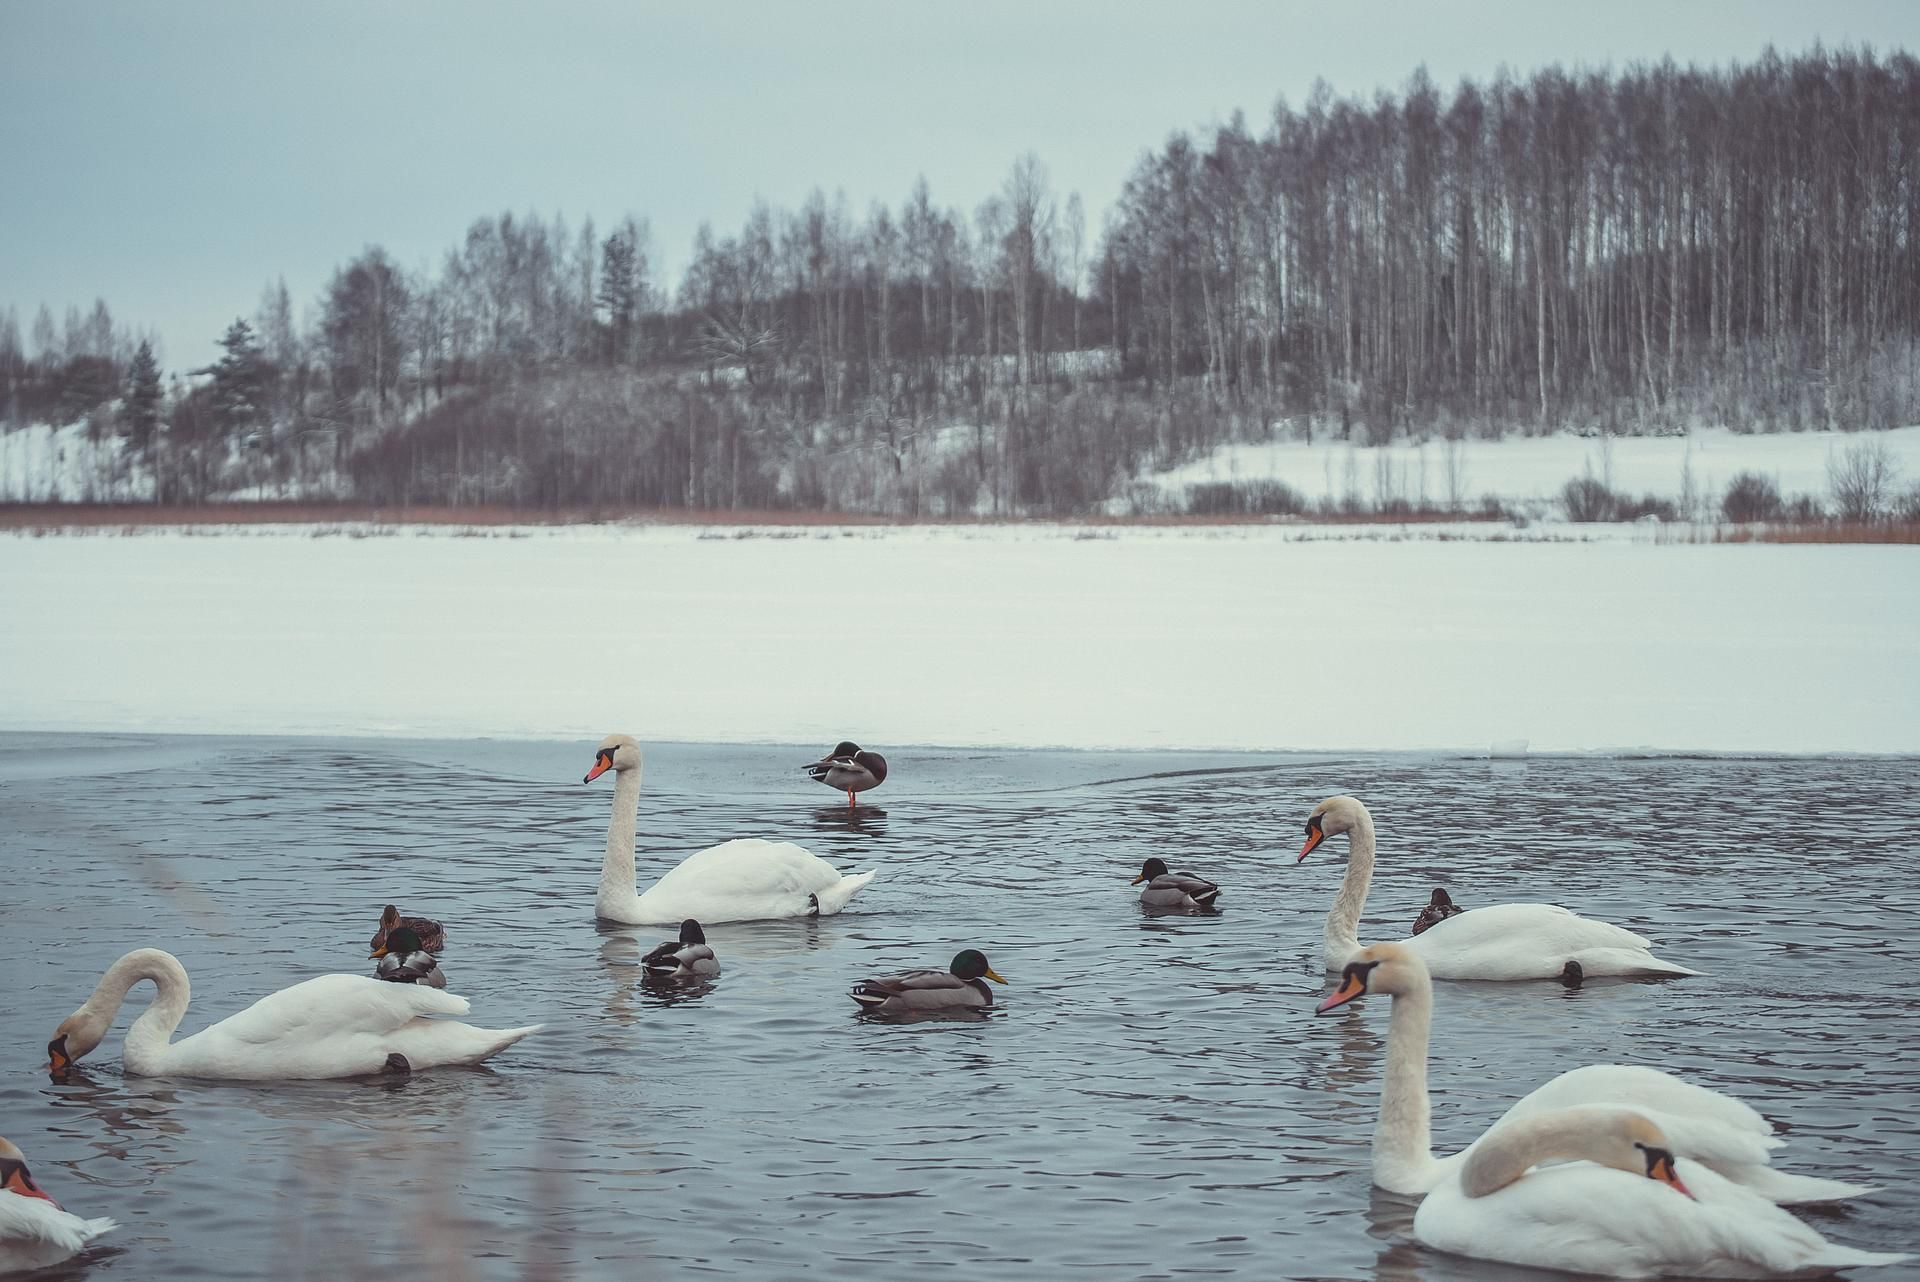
x=742 y=880
x=1707 y=1126
x=324 y=1027
x=849 y=768
x=1174 y=889
x=1501 y=942
x=432 y=935
x=1599 y=1190
x=35 y=1231
x=959 y=987
x=405 y=959
x=1438 y=909
x=683 y=957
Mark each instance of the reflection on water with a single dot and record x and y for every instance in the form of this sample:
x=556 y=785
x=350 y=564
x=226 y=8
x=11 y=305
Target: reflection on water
x=1151 y=1094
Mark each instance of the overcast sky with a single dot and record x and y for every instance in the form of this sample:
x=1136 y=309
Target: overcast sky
x=173 y=158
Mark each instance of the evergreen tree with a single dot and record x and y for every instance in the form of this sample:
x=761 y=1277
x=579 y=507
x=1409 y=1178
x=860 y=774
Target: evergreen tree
x=617 y=293
x=140 y=411
x=239 y=378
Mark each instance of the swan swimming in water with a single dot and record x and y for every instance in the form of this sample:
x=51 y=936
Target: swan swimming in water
x=1504 y=941
x=742 y=880
x=328 y=1026
x=35 y=1231
x=1705 y=1125
x=1614 y=1200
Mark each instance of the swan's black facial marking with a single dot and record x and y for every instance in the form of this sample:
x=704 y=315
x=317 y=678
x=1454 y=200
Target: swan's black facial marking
x=1362 y=971
x=1316 y=833
x=1354 y=980
x=15 y=1178
x=602 y=762
x=58 y=1060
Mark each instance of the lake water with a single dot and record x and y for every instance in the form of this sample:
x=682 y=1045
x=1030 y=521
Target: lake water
x=1152 y=1099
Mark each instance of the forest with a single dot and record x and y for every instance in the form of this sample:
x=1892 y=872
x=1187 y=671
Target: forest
x=1634 y=250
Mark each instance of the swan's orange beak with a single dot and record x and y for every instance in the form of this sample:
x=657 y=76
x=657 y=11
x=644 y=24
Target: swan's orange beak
x=1315 y=835
x=600 y=767
x=1660 y=1167
x=17 y=1180
x=58 y=1061
x=1350 y=988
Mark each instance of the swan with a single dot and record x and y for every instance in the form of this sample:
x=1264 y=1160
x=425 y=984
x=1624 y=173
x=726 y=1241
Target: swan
x=1605 y=1209
x=1705 y=1125
x=960 y=987
x=849 y=768
x=34 y=1230
x=742 y=880
x=328 y=1026
x=1505 y=941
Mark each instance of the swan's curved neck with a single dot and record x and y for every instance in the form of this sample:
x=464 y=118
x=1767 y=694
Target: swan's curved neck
x=1512 y=1149
x=1342 y=937
x=148 y=1038
x=1403 y=1158
x=616 y=872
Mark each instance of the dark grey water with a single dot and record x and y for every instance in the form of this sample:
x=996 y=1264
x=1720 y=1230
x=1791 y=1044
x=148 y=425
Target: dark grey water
x=1154 y=1099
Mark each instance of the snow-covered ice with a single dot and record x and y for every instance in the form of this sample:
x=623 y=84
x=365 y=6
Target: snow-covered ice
x=1227 y=637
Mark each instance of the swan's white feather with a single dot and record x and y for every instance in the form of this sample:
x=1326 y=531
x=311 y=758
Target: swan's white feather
x=1533 y=941
x=742 y=880
x=35 y=1233
x=1585 y=1218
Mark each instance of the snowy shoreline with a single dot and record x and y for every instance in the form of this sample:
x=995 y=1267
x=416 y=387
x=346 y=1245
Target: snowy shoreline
x=1236 y=638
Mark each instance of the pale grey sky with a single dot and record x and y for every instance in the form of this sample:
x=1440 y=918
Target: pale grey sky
x=175 y=157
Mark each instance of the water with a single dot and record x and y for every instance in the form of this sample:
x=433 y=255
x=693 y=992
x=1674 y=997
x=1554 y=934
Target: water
x=1153 y=1099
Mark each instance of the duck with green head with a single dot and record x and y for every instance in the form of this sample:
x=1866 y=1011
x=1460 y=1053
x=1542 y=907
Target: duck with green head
x=959 y=987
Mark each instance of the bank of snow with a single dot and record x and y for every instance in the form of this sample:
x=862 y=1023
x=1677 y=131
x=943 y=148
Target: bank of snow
x=1239 y=637
x=1527 y=473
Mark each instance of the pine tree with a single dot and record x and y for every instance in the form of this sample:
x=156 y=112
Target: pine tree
x=617 y=293
x=239 y=378
x=140 y=411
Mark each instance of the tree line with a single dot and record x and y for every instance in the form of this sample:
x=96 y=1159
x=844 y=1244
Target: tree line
x=1624 y=251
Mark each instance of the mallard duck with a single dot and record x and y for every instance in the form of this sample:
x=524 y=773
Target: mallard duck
x=849 y=769
x=959 y=987
x=1174 y=889
x=685 y=956
x=432 y=936
x=34 y=1231
x=405 y=960
x=1438 y=909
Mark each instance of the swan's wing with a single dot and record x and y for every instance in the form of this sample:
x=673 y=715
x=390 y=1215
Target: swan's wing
x=1531 y=941
x=44 y=1230
x=746 y=880
x=329 y=1006
x=1584 y=1218
x=1701 y=1123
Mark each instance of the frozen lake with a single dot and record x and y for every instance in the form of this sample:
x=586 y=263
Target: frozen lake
x=1153 y=1099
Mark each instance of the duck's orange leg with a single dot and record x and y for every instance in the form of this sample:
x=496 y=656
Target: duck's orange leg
x=849 y=801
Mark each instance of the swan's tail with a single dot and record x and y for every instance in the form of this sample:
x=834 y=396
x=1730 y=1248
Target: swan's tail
x=1846 y=1257
x=835 y=897
x=1627 y=961
x=502 y=1038
x=1786 y=1188
x=97 y=1228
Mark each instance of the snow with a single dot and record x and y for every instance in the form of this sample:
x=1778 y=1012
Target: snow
x=1528 y=473
x=1238 y=637
x=47 y=463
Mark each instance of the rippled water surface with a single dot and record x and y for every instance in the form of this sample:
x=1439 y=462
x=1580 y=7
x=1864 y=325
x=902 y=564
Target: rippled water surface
x=1152 y=1099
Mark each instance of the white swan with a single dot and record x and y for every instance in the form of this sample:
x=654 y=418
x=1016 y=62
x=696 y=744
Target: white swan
x=743 y=880
x=1505 y=941
x=328 y=1026
x=34 y=1230
x=1621 y=1206
x=1705 y=1125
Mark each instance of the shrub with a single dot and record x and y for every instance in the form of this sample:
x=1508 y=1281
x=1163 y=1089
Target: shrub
x=1862 y=480
x=1751 y=497
x=1588 y=500
x=1244 y=498
x=1626 y=509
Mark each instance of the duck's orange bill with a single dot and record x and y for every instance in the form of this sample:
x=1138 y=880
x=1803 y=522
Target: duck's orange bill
x=1314 y=838
x=1350 y=988
x=1662 y=1170
x=994 y=975
x=1137 y=880
x=18 y=1181
x=378 y=952
x=599 y=768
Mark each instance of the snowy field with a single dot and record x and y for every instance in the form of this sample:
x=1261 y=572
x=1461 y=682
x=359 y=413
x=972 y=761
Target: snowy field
x=1229 y=637
x=1527 y=473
